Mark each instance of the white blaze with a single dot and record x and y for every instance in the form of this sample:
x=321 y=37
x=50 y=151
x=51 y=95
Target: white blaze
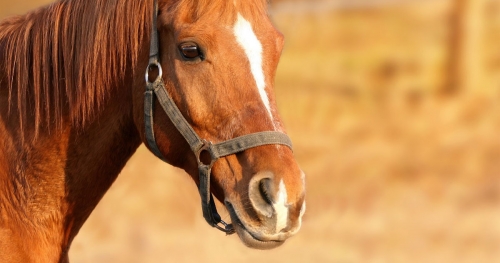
x=253 y=49
x=302 y=210
x=281 y=208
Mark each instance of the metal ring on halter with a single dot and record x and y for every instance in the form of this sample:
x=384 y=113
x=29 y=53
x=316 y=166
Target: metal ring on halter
x=227 y=228
x=206 y=147
x=160 y=71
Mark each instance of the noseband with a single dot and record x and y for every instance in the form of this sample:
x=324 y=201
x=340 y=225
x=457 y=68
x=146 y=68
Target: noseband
x=198 y=146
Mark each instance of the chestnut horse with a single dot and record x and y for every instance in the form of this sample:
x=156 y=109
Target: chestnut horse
x=73 y=111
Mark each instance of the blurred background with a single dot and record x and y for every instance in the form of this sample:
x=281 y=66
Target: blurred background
x=393 y=107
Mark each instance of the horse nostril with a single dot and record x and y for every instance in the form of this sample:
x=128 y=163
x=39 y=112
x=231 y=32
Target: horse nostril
x=265 y=190
x=261 y=195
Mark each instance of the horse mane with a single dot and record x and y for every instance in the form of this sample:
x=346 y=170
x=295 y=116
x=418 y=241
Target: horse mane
x=60 y=61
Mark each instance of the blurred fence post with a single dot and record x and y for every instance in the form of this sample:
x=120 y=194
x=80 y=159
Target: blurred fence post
x=466 y=46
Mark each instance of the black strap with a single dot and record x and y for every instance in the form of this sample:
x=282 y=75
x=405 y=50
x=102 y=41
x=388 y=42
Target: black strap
x=175 y=115
x=154 y=52
x=197 y=145
x=148 y=122
x=154 y=49
x=246 y=142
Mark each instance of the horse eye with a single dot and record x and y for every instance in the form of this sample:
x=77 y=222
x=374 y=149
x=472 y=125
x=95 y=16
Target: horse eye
x=190 y=50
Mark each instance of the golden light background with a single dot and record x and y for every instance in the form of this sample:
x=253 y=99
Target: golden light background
x=394 y=110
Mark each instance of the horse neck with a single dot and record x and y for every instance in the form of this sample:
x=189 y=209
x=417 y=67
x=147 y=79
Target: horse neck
x=49 y=187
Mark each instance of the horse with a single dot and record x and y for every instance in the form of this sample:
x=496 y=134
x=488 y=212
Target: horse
x=83 y=83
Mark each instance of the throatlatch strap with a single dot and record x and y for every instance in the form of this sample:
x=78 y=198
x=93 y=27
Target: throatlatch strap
x=148 y=121
x=206 y=195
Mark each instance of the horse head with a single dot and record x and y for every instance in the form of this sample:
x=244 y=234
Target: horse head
x=219 y=60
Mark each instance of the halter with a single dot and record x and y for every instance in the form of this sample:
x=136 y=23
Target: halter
x=197 y=145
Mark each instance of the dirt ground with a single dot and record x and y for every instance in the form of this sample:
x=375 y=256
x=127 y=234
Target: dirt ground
x=398 y=169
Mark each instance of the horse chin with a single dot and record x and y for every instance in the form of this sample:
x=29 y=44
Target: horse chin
x=250 y=238
x=251 y=242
